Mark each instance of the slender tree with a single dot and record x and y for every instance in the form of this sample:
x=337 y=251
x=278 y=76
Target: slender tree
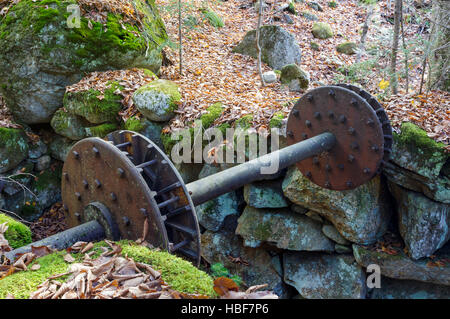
x=258 y=44
x=180 y=37
x=397 y=19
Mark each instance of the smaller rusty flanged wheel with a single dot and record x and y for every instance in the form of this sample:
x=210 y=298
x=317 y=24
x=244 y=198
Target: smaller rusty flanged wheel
x=359 y=151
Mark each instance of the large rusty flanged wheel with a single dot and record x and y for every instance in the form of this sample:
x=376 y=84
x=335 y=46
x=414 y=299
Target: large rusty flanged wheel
x=361 y=141
x=135 y=180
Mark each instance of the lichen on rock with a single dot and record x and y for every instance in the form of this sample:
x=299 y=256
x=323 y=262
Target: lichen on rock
x=13 y=148
x=40 y=55
x=158 y=100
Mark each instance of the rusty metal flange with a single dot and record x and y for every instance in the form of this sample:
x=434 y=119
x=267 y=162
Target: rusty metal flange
x=177 y=212
x=359 y=150
x=96 y=171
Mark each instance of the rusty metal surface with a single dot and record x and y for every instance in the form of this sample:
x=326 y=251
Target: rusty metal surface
x=175 y=208
x=381 y=114
x=97 y=171
x=359 y=149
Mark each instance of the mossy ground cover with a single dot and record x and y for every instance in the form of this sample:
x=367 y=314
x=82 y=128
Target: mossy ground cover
x=180 y=274
x=18 y=234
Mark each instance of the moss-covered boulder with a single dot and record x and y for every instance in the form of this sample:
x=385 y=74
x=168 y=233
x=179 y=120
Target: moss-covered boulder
x=41 y=52
x=322 y=30
x=158 y=100
x=95 y=106
x=149 y=129
x=415 y=151
x=13 y=148
x=18 y=234
x=295 y=77
x=282 y=228
x=360 y=215
x=322 y=276
x=278 y=46
x=423 y=223
x=348 y=48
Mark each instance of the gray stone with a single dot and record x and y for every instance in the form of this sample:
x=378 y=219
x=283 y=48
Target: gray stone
x=39 y=58
x=212 y=214
x=43 y=163
x=265 y=194
x=415 y=151
x=341 y=249
x=189 y=171
x=401 y=267
x=423 y=223
x=220 y=246
x=322 y=30
x=158 y=100
x=278 y=46
x=360 y=215
x=408 y=289
x=315 y=6
x=69 y=125
x=309 y=16
x=13 y=148
x=437 y=188
x=60 y=147
x=348 y=48
x=314 y=216
x=37 y=149
x=321 y=276
x=282 y=228
x=332 y=233
x=295 y=77
x=269 y=77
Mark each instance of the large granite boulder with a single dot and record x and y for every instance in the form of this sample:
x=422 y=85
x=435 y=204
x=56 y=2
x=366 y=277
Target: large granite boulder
x=321 y=276
x=282 y=228
x=423 y=223
x=360 y=215
x=13 y=148
x=41 y=52
x=278 y=46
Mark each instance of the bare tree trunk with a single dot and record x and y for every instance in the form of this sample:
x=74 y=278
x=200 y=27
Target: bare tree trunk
x=440 y=46
x=405 y=52
x=180 y=37
x=364 y=35
x=258 y=46
x=397 y=16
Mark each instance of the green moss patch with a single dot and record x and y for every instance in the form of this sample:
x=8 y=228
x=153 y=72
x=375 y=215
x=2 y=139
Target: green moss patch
x=213 y=18
x=18 y=234
x=180 y=274
x=277 y=120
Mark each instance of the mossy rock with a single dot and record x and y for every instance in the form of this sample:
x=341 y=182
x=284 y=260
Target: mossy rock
x=13 y=148
x=348 y=48
x=18 y=234
x=309 y=16
x=315 y=46
x=178 y=273
x=149 y=129
x=69 y=125
x=291 y=73
x=94 y=106
x=415 y=151
x=101 y=130
x=322 y=30
x=158 y=100
x=277 y=120
x=35 y=33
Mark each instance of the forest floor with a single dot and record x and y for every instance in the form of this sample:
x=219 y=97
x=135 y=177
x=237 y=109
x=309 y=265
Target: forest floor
x=212 y=72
